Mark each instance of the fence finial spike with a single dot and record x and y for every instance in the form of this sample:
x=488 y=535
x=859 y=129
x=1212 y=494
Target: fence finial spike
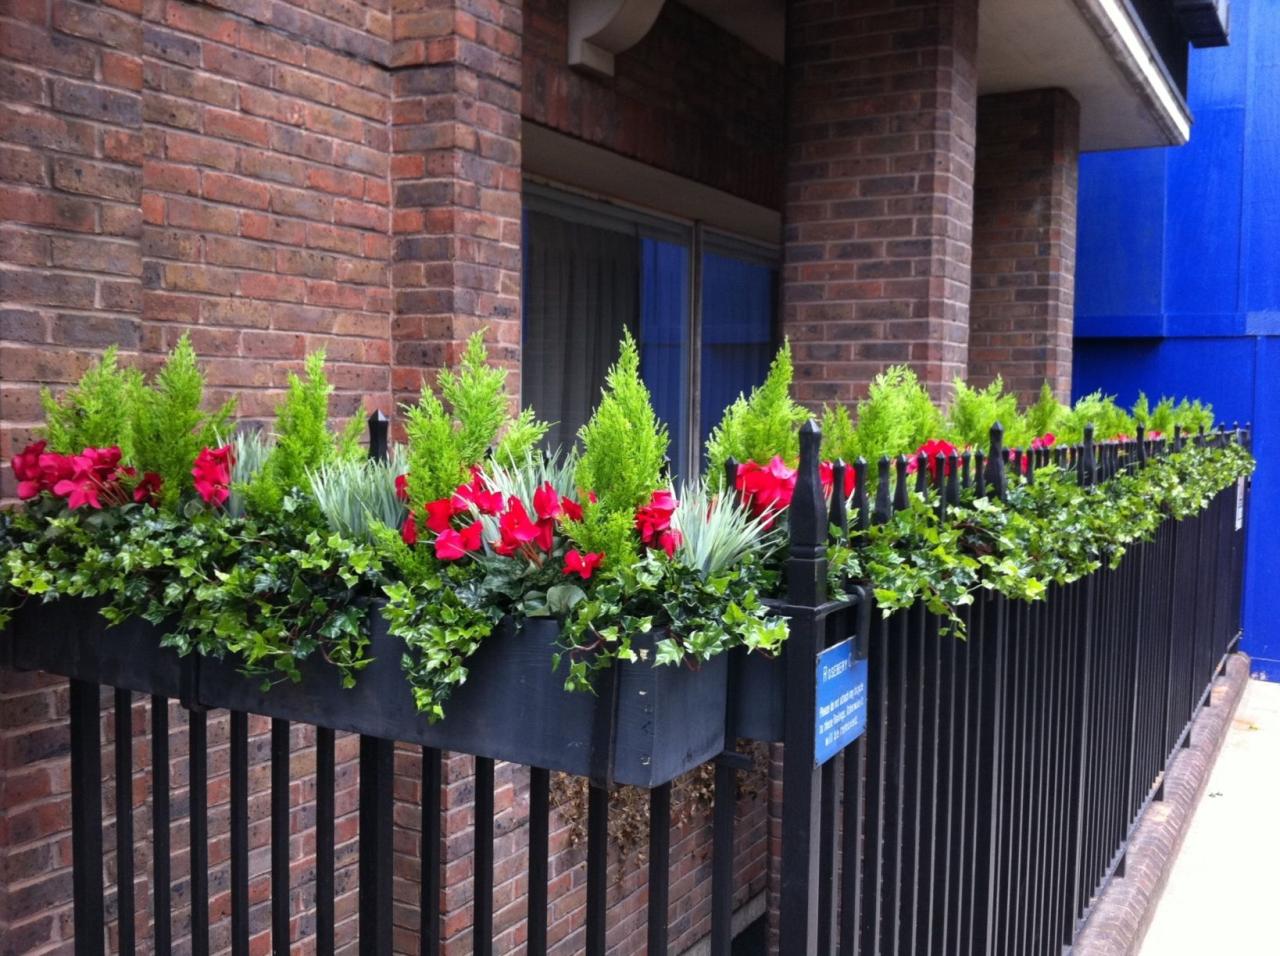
x=862 y=510
x=838 y=519
x=379 y=426
x=995 y=476
x=1142 y=446
x=882 y=508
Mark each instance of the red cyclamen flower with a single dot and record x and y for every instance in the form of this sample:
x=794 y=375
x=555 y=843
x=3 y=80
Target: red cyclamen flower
x=827 y=472
x=409 y=530
x=402 y=487
x=440 y=514
x=148 y=489
x=212 y=474
x=452 y=545
x=655 y=517
x=575 y=562
x=931 y=450
x=477 y=493
x=766 y=489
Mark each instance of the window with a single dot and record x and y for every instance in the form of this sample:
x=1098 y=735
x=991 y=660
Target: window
x=592 y=270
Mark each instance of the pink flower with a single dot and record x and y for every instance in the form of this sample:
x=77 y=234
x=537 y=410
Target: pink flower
x=670 y=540
x=452 y=545
x=477 y=493
x=1047 y=440
x=148 y=489
x=212 y=474
x=85 y=478
x=575 y=562
x=26 y=468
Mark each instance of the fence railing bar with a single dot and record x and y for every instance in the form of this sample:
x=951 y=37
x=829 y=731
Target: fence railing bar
x=539 y=838
x=123 y=734
x=280 y=837
x=326 y=782
x=429 y=941
x=597 y=868
x=88 y=911
x=377 y=803
x=198 y=817
x=238 y=769
x=160 y=910
x=659 y=867
x=482 y=907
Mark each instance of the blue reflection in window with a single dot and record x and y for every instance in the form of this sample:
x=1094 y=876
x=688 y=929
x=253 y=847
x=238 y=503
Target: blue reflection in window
x=664 y=320
x=738 y=298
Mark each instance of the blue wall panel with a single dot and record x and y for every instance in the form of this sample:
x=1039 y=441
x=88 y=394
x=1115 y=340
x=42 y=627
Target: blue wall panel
x=1120 y=233
x=1178 y=282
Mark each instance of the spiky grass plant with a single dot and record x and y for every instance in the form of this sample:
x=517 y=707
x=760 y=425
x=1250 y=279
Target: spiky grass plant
x=521 y=479
x=356 y=497
x=718 y=532
x=250 y=450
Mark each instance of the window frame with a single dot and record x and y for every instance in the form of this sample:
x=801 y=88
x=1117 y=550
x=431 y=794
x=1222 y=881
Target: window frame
x=566 y=202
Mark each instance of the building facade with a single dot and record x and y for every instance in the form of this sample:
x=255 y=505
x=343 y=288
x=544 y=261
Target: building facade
x=881 y=182
x=1178 y=286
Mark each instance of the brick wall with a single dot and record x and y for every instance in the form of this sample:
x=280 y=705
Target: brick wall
x=879 y=191
x=689 y=98
x=1024 y=240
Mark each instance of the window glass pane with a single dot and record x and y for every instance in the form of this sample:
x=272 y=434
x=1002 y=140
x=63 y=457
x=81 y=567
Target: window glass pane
x=664 y=320
x=738 y=297
x=581 y=289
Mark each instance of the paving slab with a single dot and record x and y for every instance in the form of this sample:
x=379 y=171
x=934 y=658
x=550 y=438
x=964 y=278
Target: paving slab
x=1223 y=894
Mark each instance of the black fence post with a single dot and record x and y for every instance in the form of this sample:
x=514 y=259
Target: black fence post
x=801 y=790
x=377 y=758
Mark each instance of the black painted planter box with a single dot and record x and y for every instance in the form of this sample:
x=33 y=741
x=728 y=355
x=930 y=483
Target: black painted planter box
x=71 y=639
x=644 y=726
x=759 y=696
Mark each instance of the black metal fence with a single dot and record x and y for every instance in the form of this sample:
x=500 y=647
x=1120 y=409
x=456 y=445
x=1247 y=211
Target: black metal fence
x=989 y=801
x=1000 y=779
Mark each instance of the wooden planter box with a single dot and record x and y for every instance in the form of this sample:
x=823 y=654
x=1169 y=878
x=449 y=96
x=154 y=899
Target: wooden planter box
x=645 y=725
x=759 y=695
x=71 y=639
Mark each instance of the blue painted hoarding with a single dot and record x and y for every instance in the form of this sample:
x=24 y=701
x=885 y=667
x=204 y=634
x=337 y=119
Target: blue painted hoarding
x=1178 y=276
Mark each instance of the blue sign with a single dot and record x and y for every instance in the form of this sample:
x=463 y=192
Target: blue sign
x=842 y=701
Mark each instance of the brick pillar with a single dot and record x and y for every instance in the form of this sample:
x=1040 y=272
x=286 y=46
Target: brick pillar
x=456 y=186
x=879 y=191
x=1024 y=240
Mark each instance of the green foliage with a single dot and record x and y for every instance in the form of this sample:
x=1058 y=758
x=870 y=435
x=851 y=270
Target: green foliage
x=96 y=411
x=758 y=427
x=838 y=434
x=168 y=426
x=303 y=440
x=624 y=449
x=1045 y=416
x=895 y=418
x=1101 y=411
x=975 y=410
x=452 y=431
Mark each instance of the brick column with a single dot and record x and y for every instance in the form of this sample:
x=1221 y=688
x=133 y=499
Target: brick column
x=878 y=207
x=456 y=186
x=1024 y=240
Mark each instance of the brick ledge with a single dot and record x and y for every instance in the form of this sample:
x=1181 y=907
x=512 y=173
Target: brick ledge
x=1123 y=913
